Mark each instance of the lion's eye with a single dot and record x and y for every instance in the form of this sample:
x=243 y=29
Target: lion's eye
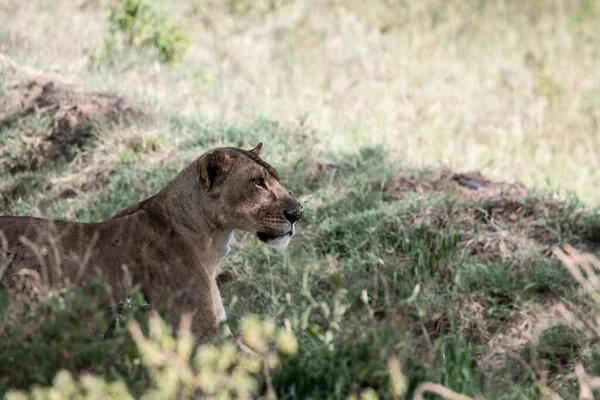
x=259 y=182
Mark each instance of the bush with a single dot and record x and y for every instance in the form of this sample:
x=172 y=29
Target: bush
x=143 y=24
x=63 y=331
x=215 y=371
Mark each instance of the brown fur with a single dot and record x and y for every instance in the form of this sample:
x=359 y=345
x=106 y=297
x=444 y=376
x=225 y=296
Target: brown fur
x=171 y=242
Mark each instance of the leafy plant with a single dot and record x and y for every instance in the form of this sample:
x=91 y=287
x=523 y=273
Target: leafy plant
x=174 y=372
x=63 y=331
x=144 y=24
x=458 y=365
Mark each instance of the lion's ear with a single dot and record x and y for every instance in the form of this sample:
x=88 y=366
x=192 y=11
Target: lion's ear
x=214 y=168
x=257 y=150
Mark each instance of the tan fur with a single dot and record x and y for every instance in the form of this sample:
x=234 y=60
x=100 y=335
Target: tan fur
x=169 y=243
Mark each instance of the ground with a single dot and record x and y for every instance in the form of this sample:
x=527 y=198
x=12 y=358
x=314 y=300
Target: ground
x=442 y=151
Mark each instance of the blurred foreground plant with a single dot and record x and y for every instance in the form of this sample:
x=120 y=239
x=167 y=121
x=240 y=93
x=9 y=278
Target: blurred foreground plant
x=43 y=332
x=215 y=371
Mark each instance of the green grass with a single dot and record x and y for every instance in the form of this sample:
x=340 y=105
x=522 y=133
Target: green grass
x=355 y=239
x=452 y=287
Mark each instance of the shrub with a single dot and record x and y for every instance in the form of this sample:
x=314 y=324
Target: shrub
x=215 y=371
x=62 y=331
x=143 y=24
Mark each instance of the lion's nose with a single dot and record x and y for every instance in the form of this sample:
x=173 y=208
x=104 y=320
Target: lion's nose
x=294 y=215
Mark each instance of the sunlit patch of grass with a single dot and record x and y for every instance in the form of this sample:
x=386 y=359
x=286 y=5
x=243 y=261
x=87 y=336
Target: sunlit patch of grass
x=504 y=88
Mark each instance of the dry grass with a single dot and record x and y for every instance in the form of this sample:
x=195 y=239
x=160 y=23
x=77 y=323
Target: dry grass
x=496 y=220
x=506 y=88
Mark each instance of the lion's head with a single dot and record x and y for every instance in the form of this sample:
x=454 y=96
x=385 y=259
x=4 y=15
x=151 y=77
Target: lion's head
x=245 y=193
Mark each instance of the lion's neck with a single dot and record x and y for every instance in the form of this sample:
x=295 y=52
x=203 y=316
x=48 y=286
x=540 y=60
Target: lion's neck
x=183 y=204
x=222 y=244
x=211 y=248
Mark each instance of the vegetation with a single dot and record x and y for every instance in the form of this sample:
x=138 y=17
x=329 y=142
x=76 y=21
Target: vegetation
x=402 y=272
x=143 y=24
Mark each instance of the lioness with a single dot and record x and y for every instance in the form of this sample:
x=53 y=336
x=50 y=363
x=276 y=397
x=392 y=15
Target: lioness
x=169 y=243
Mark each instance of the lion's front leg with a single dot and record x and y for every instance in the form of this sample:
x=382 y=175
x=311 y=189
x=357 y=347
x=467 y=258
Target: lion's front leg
x=222 y=318
x=219 y=308
x=196 y=299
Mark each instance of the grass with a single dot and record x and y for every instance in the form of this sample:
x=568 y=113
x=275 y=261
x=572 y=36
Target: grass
x=462 y=290
x=505 y=88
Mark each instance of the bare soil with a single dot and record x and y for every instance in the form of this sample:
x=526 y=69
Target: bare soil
x=498 y=220
x=70 y=112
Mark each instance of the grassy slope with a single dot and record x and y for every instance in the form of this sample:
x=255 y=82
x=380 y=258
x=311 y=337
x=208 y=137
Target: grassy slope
x=503 y=88
x=506 y=88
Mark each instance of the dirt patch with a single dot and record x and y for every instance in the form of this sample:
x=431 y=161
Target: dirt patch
x=502 y=228
x=50 y=119
x=495 y=220
x=318 y=171
x=513 y=226
x=469 y=186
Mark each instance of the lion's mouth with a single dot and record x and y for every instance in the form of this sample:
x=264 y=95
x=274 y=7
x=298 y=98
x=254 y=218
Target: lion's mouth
x=277 y=241
x=266 y=237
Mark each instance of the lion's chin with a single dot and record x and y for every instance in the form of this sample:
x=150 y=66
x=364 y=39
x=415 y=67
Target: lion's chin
x=276 y=241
